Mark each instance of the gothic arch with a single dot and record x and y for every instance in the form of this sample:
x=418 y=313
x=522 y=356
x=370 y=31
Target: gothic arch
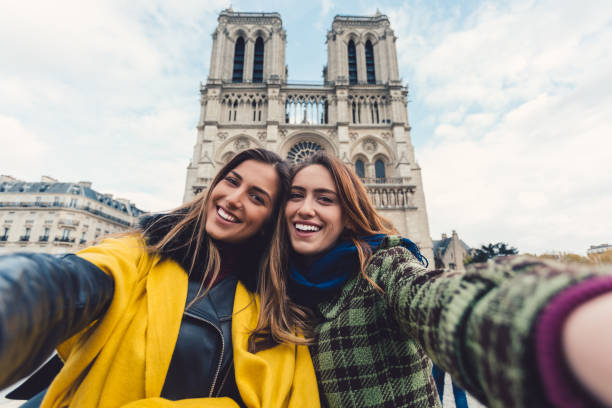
x=234 y=145
x=381 y=166
x=310 y=135
x=239 y=31
x=352 y=36
x=369 y=35
x=265 y=35
x=364 y=160
x=382 y=148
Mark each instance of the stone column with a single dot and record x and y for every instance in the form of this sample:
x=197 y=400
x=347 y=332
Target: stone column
x=249 y=52
x=361 y=65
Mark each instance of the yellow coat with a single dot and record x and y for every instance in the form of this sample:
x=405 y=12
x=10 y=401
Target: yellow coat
x=123 y=358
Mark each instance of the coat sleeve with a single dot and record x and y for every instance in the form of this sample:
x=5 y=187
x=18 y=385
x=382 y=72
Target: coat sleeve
x=45 y=299
x=480 y=325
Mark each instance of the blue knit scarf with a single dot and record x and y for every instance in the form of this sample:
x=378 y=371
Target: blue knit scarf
x=312 y=284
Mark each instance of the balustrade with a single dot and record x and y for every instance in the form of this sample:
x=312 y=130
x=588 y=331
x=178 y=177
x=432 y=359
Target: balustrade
x=391 y=197
x=306 y=109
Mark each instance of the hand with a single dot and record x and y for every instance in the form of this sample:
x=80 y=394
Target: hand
x=587 y=345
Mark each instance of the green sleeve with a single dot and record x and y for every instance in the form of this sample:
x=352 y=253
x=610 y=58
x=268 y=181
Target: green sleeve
x=478 y=325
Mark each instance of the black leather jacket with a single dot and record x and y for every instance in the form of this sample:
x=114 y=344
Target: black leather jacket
x=45 y=299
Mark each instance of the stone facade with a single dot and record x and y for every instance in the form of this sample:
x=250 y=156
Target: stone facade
x=54 y=217
x=451 y=252
x=358 y=112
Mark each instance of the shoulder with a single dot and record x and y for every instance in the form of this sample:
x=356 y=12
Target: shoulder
x=127 y=246
x=393 y=258
x=393 y=251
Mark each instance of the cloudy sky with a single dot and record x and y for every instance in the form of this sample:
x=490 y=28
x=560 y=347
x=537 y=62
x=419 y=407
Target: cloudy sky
x=510 y=103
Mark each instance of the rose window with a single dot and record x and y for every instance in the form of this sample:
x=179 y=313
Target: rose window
x=300 y=151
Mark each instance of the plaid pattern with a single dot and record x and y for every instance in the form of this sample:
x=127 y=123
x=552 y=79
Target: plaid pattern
x=371 y=349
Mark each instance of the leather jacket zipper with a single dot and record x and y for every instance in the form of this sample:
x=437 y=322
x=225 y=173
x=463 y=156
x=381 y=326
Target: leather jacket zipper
x=212 y=387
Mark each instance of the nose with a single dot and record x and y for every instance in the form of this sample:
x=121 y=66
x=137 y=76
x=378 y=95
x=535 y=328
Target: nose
x=306 y=210
x=234 y=199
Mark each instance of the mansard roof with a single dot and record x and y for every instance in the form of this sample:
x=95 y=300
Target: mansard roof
x=76 y=189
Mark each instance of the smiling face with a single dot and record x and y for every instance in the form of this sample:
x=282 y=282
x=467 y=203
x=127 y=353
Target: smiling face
x=241 y=203
x=313 y=212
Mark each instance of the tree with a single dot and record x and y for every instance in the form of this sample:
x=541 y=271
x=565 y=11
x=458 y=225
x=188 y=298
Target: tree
x=489 y=251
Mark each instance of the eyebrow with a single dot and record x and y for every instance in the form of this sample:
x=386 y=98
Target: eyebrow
x=256 y=188
x=316 y=190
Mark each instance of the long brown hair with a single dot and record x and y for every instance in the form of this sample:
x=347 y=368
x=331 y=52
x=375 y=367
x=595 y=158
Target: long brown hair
x=181 y=234
x=360 y=217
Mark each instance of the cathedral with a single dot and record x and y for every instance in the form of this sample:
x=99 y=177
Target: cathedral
x=358 y=112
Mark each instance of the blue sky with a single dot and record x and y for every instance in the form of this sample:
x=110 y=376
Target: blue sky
x=510 y=103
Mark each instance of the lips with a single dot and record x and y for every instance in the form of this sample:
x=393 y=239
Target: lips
x=227 y=216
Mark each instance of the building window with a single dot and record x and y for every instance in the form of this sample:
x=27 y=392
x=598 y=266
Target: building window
x=379 y=169
x=73 y=203
x=360 y=168
x=302 y=150
x=238 y=60
x=369 y=54
x=4 y=236
x=26 y=236
x=66 y=235
x=258 y=61
x=45 y=236
x=352 y=62
x=56 y=202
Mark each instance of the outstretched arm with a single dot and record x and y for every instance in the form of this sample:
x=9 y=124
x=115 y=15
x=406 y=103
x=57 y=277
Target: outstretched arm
x=44 y=300
x=481 y=326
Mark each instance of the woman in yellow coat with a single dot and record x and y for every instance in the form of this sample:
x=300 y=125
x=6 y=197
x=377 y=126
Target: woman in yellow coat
x=165 y=316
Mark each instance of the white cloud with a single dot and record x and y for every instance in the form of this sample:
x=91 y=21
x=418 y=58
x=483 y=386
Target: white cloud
x=110 y=87
x=519 y=100
x=19 y=145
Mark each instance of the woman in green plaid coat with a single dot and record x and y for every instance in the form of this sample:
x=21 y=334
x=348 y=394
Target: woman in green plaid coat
x=505 y=330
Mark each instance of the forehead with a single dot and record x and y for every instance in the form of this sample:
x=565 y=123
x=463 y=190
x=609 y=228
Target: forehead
x=258 y=174
x=314 y=176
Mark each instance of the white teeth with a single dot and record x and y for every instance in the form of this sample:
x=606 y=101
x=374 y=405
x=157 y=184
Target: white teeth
x=306 y=227
x=226 y=216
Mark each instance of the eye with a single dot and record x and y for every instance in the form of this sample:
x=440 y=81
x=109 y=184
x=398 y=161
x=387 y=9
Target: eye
x=232 y=180
x=294 y=195
x=326 y=199
x=258 y=198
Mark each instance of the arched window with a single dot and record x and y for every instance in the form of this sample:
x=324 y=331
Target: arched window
x=238 y=60
x=369 y=54
x=352 y=62
x=360 y=168
x=258 y=61
x=379 y=169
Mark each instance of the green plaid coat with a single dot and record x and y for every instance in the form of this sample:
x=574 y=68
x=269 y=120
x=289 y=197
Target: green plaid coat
x=372 y=348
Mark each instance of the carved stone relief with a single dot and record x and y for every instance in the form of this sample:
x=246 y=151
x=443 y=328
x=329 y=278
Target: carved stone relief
x=242 y=143
x=369 y=145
